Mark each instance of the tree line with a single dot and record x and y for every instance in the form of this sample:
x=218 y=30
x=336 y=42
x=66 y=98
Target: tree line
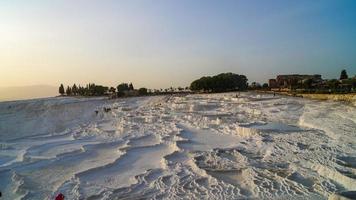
x=223 y=82
x=220 y=83
x=124 y=89
x=91 y=89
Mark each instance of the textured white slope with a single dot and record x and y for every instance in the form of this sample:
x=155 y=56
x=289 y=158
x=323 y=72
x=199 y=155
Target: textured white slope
x=216 y=146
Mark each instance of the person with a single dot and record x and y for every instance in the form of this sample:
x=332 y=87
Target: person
x=237 y=95
x=60 y=196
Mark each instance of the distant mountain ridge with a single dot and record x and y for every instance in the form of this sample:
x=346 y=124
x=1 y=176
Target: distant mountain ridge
x=27 y=92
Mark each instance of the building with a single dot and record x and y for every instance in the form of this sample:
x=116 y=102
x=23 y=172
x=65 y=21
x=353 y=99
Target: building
x=288 y=81
x=272 y=83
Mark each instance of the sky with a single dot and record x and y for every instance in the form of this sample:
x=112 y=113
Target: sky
x=163 y=43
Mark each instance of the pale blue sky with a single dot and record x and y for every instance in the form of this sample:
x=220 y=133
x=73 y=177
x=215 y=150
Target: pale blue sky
x=163 y=43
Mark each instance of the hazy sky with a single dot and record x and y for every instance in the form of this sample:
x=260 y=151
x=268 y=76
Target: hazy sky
x=162 y=43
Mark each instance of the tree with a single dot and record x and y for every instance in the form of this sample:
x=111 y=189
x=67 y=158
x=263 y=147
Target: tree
x=69 y=91
x=142 y=91
x=61 y=90
x=80 y=90
x=265 y=85
x=131 y=87
x=255 y=85
x=112 y=90
x=100 y=90
x=333 y=84
x=343 y=75
x=123 y=87
x=307 y=83
x=220 y=83
x=74 y=89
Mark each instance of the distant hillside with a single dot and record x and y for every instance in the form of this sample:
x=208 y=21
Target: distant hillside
x=27 y=92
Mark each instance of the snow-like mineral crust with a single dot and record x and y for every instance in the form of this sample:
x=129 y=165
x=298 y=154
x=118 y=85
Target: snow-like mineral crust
x=216 y=146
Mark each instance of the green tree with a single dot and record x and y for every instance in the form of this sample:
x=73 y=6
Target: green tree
x=255 y=86
x=265 y=85
x=75 y=89
x=81 y=90
x=220 y=83
x=69 y=91
x=122 y=87
x=100 y=90
x=343 y=75
x=61 y=90
x=142 y=91
x=307 y=83
x=333 y=84
x=112 y=90
x=131 y=87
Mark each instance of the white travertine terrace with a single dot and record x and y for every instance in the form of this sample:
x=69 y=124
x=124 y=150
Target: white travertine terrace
x=209 y=146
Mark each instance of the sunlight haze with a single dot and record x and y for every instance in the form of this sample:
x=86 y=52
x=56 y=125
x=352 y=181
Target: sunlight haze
x=158 y=44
